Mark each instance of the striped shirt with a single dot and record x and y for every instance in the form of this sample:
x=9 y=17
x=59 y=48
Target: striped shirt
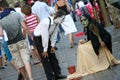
x=31 y=22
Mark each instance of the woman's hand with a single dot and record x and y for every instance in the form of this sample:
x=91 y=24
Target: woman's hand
x=52 y=50
x=82 y=41
x=45 y=54
x=102 y=43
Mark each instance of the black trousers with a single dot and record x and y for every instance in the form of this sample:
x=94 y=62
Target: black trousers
x=50 y=64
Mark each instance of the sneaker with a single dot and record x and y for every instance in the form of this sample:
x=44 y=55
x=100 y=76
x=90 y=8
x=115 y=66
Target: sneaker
x=60 y=76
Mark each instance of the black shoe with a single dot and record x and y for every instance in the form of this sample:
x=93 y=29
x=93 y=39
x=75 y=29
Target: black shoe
x=71 y=45
x=60 y=76
x=2 y=67
x=20 y=77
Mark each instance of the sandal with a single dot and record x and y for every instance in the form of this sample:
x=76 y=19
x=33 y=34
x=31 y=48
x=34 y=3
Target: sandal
x=36 y=63
x=71 y=45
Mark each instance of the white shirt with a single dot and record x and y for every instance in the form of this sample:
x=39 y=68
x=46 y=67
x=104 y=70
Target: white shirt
x=43 y=30
x=41 y=9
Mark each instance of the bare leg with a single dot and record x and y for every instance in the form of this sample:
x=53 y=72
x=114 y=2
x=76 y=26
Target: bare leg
x=29 y=71
x=33 y=55
x=13 y=65
x=4 y=59
x=37 y=54
x=23 y=72
x=19 y=73
x=1 y=62
x=71 y=40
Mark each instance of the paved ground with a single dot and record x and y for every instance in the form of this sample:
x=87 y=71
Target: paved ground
x=67 y=57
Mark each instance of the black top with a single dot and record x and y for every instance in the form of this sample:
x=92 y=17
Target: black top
x=105 y=36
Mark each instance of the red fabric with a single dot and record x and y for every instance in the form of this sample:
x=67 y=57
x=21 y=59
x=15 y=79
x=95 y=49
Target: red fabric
x=79 y=34
x=31 y=22
x=90 y=10
x=97 y=6
x=30 y=1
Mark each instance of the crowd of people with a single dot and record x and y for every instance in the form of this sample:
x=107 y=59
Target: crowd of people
x=32 y=30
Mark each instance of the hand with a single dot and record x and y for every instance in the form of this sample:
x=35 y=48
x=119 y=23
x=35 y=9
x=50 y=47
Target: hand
x=82 y=41
x=45 y=54
x=102 y=43
x=52 y=50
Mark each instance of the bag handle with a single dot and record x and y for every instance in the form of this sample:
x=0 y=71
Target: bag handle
x=49 y=22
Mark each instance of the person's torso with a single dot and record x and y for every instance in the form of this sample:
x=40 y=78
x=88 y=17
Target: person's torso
x=31 y=22
x=12 y=25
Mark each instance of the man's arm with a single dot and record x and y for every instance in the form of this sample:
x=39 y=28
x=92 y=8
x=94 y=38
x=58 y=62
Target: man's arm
x=26 y=30
x=45 y=36
x=42 y=30
x=24 y=26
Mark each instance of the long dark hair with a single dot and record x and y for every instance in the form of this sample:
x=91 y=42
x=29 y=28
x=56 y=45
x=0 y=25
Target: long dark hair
x=59 y=13
x=93 y=21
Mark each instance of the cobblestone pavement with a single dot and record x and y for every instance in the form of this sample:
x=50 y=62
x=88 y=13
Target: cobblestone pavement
x=67 y=57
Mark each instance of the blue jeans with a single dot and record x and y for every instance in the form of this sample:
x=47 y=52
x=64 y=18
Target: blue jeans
x=58 y=34
x=7 y=51
x=4 y=49
x=58 y=37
